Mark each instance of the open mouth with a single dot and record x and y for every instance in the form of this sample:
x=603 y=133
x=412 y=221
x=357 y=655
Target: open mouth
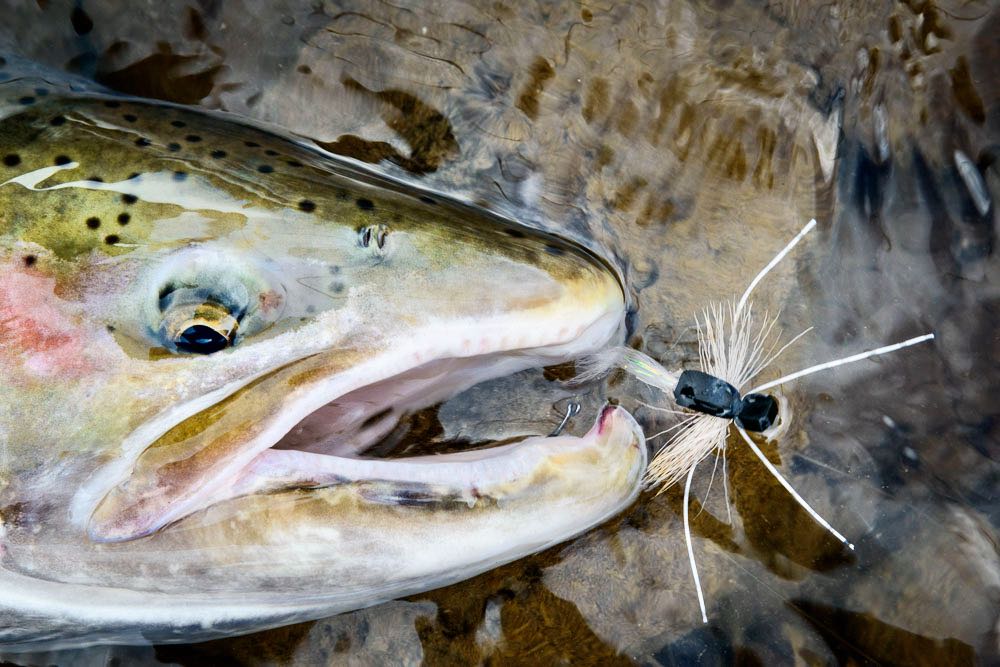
x=307 y=424
x=333 y=445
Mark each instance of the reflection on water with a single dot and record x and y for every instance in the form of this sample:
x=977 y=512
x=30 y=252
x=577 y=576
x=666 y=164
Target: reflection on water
x=687 y=141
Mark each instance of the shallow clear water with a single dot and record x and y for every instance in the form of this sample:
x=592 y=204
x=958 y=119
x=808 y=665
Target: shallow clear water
x=687 y=141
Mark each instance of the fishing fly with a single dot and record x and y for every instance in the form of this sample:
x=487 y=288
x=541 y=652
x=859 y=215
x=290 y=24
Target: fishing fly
x=734 y=347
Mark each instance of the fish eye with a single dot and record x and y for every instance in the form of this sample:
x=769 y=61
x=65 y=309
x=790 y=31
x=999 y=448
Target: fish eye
x=199 y=328
x=202 y=301
x=201 y=339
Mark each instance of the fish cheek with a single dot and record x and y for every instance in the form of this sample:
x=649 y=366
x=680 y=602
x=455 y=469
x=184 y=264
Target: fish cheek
x=41 y=338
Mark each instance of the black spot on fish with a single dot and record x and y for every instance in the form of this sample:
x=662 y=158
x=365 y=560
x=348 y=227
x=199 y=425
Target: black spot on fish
x=129 y=199
x=29 y=260
x=96 y=179
x=26 y=100
x=173 y=147
x=93 y=223
x=193 y=138
x=130 y=117
x=307 y=206
x=427 y=200
x=123 y=218
x=251 y=144
x=142 y=142
x=82 y=23
x=62 y=159
x=180 y=175
x=12 y=160
x=365 y=204
x=218 y=155
x=515 y=233
x=112 y=104
x=304 y=69
x=270 y=152
x=265 y=168
x=111 y=239
x=178 y=123
x=310 y=309
x=294 y=163
x=57 y=121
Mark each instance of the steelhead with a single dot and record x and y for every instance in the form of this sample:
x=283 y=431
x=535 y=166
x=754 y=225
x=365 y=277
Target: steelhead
x=203 y=326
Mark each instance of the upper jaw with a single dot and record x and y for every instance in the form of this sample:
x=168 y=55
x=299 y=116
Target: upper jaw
x=217 y=447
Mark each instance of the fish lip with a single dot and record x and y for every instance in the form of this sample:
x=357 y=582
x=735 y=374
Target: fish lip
x=119 y=526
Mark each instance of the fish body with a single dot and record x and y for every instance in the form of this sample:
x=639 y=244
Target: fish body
x=203 y=326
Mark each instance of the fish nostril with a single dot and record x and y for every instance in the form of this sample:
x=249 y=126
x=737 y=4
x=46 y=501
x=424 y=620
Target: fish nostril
x=378 y=233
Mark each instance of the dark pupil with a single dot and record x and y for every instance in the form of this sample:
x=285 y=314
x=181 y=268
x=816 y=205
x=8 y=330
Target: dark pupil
x=201 y=340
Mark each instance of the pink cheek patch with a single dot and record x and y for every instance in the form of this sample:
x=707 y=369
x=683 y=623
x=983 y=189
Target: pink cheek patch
x=37 y=336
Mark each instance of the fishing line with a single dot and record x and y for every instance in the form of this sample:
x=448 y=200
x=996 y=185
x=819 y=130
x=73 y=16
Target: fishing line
x=732 y=350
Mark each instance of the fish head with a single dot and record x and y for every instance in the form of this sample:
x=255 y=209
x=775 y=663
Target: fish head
x=204 y=324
